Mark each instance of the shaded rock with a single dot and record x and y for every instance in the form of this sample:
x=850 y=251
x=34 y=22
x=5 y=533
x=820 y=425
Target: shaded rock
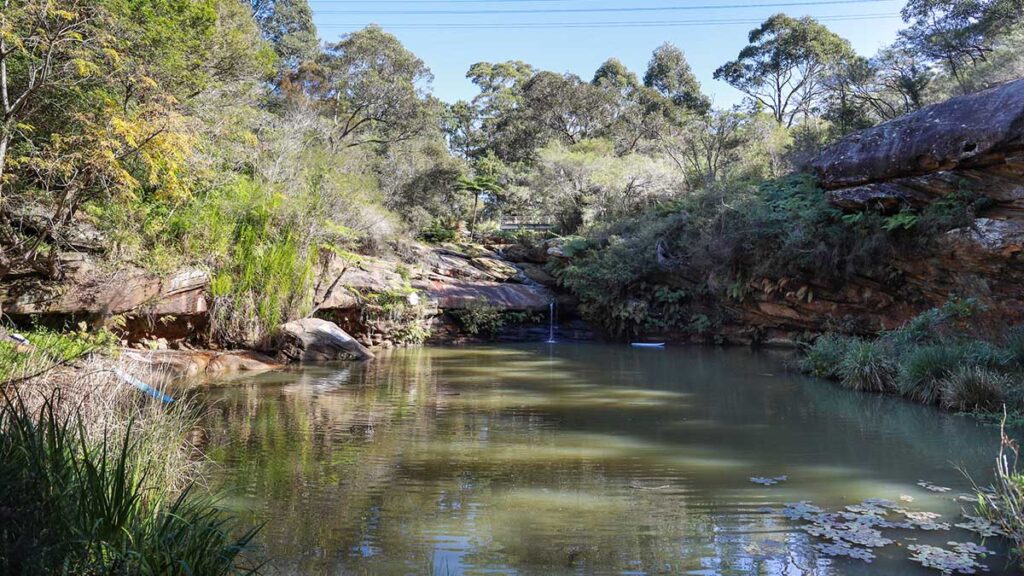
x=316 y=340
x=538 y=274
x=518 y=253
x=971 y=131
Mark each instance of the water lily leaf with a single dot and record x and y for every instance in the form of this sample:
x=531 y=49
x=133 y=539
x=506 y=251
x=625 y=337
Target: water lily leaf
x=981 y=526
x=961 y=560
x=932 y=487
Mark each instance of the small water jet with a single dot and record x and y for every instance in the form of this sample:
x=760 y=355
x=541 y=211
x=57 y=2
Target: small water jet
x=551 y=322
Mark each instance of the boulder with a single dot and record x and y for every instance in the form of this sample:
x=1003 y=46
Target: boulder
x=316 y=340
x=973 y=131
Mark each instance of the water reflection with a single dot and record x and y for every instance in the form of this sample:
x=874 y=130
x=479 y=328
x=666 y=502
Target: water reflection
x=572 y=459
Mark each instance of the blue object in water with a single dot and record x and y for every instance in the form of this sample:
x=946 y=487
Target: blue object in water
x=143 y=386
x=648 y=344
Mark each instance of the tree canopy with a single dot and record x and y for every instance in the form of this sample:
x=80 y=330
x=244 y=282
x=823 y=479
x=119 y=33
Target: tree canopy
x=785 y=64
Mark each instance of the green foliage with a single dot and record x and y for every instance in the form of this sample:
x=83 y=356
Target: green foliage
x=935 y=358
x=77 y=506
x=866 y=365
x=923 y=369
x=437 y=233
x=263 y=271
x=400 y=314
x=974 y=388
x=50 y=349
x=480 y=318
x=823 y=357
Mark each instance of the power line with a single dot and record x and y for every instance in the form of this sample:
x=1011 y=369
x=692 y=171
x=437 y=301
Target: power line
x=614 y=24
x=595 y=10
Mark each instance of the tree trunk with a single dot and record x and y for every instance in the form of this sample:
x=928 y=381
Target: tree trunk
x=472 y=224
x=5 y=139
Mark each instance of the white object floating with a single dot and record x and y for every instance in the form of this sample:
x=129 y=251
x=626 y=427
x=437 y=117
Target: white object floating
x=648 y=344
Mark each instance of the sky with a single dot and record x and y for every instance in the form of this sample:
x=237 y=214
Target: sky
x=578 y=35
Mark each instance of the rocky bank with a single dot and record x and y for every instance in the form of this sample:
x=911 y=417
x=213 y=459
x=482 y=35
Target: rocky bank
x=168 y=313
x=974 y=143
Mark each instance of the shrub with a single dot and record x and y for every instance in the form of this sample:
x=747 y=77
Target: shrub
x=973 y=388
x=399 y=314
x=480 y=318
x=1013 y=349
x=866 y=366
x=437 y=233
x=923 y=368
x=76 y=505
x=823 y=358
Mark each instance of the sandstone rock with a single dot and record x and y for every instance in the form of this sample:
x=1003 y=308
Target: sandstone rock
x=89 y=290
x=496 y=270
x=178 y=365
x=455 y=294
x=316 y=340
x=964 y=132
x=538 y=274
x=519 y=253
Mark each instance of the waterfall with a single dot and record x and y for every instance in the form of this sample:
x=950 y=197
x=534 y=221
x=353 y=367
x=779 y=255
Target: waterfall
x=551 y=322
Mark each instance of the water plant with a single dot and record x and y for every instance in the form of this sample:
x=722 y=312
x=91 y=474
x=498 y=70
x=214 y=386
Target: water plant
x=867 y=366
x=974 y=388
x=76 y=504
x=1002 y=503
x=855 y=531
x=822 y=358
x=937 y=357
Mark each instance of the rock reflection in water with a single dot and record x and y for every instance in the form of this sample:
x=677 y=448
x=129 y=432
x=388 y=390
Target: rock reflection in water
x=574 y=459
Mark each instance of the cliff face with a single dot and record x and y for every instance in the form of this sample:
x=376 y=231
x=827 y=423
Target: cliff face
x=972 y=143
x=175 y=309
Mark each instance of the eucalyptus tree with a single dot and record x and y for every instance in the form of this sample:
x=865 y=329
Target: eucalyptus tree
x=639 y=113
x=669 y=73
x=563 y=106
x=785 y=65
x=498 y=123
x=288 y=26
x=371 y=88
x=958 y=33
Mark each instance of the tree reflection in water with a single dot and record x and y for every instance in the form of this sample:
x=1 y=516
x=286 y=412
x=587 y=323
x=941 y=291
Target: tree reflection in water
x=573 y=459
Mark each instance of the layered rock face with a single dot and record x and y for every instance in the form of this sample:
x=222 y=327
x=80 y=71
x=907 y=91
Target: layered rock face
x=972 y=143
x=174 y=310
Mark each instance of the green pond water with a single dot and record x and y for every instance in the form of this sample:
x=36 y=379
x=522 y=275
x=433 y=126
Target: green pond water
x=574 y=459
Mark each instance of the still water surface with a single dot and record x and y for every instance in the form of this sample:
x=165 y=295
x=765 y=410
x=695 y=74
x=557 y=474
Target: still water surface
x=573 y=459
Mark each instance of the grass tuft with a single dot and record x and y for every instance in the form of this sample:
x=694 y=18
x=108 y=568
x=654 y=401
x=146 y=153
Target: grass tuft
x=79 y=503
x=866 y=366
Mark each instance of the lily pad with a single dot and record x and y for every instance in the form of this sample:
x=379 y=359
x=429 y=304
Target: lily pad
x=932 y=487
x=961 y=560
x=981 y=526
x=765 y=481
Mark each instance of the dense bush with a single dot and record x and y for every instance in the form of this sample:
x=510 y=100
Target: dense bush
x=935 y=358
x=710 y=245
x=480 y=318
x=72 y=504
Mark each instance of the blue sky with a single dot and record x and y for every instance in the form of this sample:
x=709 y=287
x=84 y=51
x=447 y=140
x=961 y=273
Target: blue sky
x=451 y=35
